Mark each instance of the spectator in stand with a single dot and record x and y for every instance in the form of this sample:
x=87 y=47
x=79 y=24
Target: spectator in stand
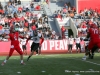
x=39 y=15
x=33 y=27
x=63 y=32
x=53 y=34
x=48 y=2
x=14 y=10
x=15 y=1
x=20 y=9
x=32 y=6
x=73 y=9
x=77 y=23
x=26 y=24
x=24 y=9
x=84 y=28
x=66 y=6
x=46 y=19
x=40 y=20
x=19 y=2
x=47 y=34
x=27 y=7
x=21 y=29
x=59 y=16
x=64 y=10
x=40 y=26
x=37 y=7
x=1 y=27
x=55 y=14
x=1 y=7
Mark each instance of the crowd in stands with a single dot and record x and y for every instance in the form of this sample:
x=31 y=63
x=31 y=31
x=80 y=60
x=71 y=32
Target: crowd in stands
x=66 y=11
x=24 y=20
x=82 y=20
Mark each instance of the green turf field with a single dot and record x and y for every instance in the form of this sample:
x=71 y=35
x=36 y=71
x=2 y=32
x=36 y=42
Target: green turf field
x=54 y=64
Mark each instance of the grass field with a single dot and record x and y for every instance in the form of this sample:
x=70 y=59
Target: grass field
x=54 y=64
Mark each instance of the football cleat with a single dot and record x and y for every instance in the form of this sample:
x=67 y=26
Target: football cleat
x=23 y=63
x=84 y=58
x=3 y=64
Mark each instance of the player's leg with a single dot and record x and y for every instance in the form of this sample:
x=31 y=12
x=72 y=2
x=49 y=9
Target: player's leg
x=71 y=48
x=90 y=46
x=18 y=49
x=40 y=49
x=68 y=47
x=24 y=49
x=32 y=51
x=34 y=47
x=76 y=47
x=7 y=58
x=95 y=47
x=79 y=46
x=93 y=50
x=37 y=51
x=87 y=53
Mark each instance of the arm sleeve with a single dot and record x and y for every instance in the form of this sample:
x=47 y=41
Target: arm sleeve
x=28 y=40
x=21 y=37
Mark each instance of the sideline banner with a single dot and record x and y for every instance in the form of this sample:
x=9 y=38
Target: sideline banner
x=55 y=45
x=48 y=46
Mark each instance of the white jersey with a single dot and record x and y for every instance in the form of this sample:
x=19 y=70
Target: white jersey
x=77 y=40
x=36 y=39
x=71 y=40
x=23 y=41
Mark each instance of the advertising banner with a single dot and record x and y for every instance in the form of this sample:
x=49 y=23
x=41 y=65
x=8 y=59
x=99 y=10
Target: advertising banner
x=48 y=46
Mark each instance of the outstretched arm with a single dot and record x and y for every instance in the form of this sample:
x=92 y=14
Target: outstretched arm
x=28 y=40
x=21 y=37
x=42 y=40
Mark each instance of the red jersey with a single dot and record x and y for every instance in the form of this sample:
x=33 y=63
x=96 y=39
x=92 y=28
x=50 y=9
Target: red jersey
x=14 y=38
x=94 y=33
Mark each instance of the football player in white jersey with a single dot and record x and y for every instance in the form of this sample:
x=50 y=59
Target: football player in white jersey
x=36 y=41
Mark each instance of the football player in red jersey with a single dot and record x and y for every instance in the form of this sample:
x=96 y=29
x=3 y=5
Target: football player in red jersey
x=94 y=36
x=14 y=36
x=94 y=43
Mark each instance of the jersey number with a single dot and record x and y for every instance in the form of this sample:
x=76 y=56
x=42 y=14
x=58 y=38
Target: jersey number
x=15 y=37
x=95 y=31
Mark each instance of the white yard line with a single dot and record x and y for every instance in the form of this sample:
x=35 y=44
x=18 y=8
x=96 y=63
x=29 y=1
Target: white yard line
x=87 y=61
x=92 y=62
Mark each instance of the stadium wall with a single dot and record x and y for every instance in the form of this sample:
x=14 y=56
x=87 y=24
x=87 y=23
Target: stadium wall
x=88 y=4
